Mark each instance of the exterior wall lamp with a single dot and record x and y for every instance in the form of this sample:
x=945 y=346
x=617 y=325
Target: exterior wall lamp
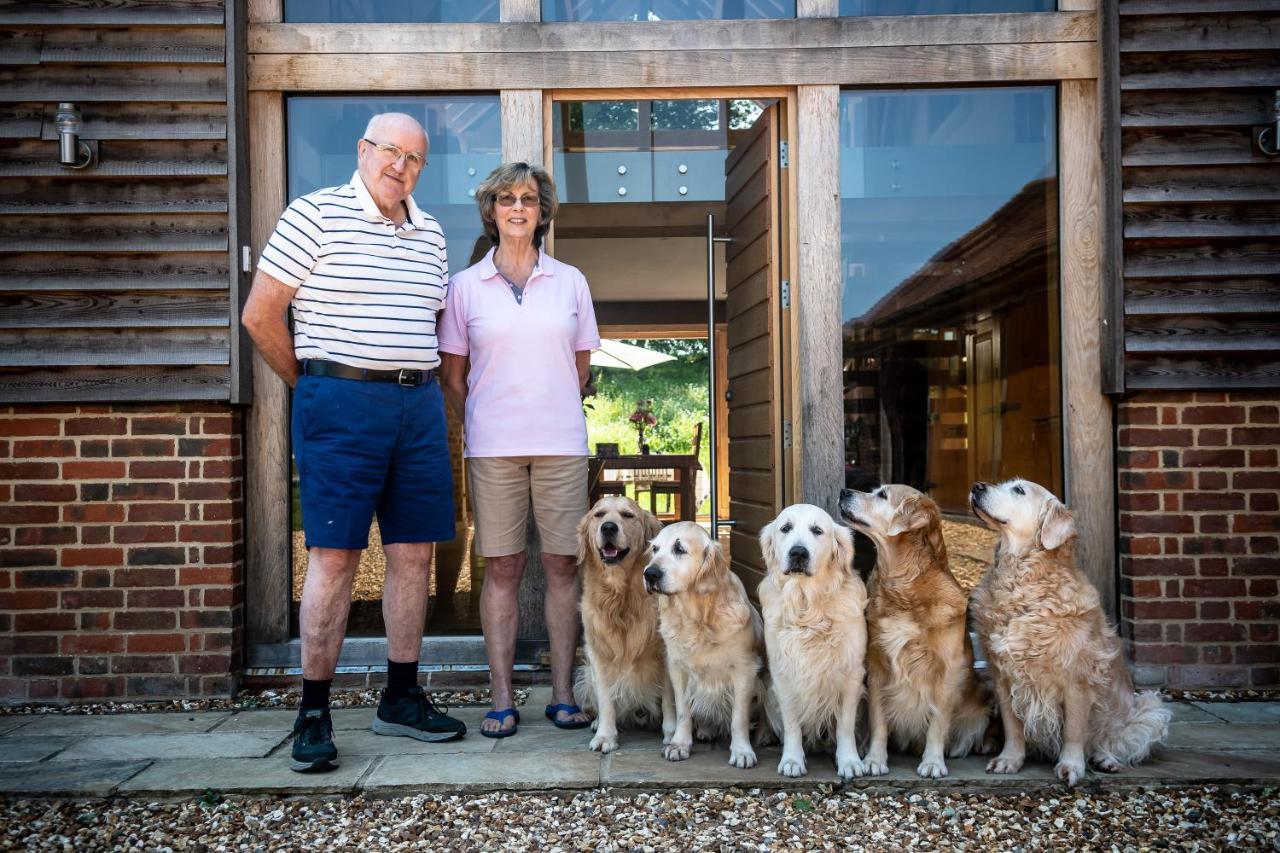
x=73 y=153
x=1266 y=138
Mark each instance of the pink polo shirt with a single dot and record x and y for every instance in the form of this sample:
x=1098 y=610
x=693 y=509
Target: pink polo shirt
x=523 y=396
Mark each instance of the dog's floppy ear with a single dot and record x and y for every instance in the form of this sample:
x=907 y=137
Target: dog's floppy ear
x=766 y=544
x=652 y=526
x=715 y=565
x=1057 y=525
x=844 y=548
x=584 y=532
x=912 y=514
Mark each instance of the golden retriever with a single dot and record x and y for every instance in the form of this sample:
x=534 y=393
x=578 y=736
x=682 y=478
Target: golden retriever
x=714 y=641
x=813 y=603
x=921 y=686
x=625 y=679
x=1059 y=669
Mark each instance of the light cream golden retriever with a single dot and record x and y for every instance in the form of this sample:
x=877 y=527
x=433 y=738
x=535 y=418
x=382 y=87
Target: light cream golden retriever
x=813 y=603
x=1059 y=669
x=625 y=681
x=921 y=686
x=714 y=641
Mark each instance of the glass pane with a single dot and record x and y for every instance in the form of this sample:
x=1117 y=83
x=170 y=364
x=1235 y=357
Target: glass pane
x=465 y=145
x=854 y=8
x=665 y=10
x=390 y=11
x=949 y=244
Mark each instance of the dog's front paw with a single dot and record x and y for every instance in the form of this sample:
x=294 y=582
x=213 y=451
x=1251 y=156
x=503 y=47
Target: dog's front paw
x=1070 y=772
x=849 y=768
x=792 y=765
x=668 y=734
x=676 y=751
x=1106 y=764
x=877 y=763
x=742 y=756
x=595 y=724
x=1005 y=764
x=932 y=768
x=604 y=742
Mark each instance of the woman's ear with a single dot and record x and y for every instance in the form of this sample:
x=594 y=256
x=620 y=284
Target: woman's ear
x=844 y=548
x=712 y=570
x=766 y=544
x=1057 y=525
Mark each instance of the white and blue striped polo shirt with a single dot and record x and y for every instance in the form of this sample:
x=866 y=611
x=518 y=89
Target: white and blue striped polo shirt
x=367 y=290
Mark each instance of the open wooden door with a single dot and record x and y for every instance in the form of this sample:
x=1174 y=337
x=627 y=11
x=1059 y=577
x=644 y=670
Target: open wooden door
x=752 y=196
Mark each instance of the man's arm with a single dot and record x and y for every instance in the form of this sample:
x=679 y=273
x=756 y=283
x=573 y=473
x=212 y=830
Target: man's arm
x=453 y=381
x=586 y=385
x=265 y=319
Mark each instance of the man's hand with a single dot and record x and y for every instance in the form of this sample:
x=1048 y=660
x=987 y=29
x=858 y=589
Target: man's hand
x=265 y=318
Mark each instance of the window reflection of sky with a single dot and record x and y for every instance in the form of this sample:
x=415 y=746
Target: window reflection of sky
x=390 y=11
x=466 y=144
x=919 y=169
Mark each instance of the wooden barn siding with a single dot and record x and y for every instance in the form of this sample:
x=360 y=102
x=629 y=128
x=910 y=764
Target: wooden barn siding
x=116 y=281
x=1200 y=207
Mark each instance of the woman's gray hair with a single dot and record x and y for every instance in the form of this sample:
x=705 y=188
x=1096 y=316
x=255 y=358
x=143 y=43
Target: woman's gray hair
x=506 y=177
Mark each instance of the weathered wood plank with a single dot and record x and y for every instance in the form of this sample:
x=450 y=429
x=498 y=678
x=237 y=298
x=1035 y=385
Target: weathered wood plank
x=52 y=310
x=1198 y=32
x=520 y=10
x=754 y=486
x=750 y=422
x=1197 y=260
x=941 y=64
x=674 y=36
x=134 y=46
x=1202 y=220
x=636 y=219
x=749 y=356
x=88 y=82
x=239 y=219
x=109 y=13
x=1259 y=182
x=1202 y=334
x=113 y=384
x=1212 y=374
x=146 y=121
x=88 y=272
x=1160 y=7
x=178 y=196
x=1201 y=146
x=1193 y=109
x=751 y=388
x=1233 y=296
x=121 y=159
x=113 y=348
x=20 y=47
x=747 y=295
x=754 y=256
x=522 y=125
x=114 y=234
x=21 y=121
x=1198 y=71
x=745 y=451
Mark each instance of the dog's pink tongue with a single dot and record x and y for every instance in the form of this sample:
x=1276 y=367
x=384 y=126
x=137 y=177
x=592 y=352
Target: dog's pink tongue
x=609 y=552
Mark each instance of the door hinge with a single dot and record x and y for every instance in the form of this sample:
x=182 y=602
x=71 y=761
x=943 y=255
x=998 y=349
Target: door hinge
x=786 y=435
x=784 y=154
x=786 y=294
x=246 y=259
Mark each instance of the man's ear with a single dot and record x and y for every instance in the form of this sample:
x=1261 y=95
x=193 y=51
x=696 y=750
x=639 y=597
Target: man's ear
x=1057 y=525
x=766 y=544
x=712 y=570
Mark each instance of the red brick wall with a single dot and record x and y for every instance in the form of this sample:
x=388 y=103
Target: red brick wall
x=1199 y=482
x=121 y=551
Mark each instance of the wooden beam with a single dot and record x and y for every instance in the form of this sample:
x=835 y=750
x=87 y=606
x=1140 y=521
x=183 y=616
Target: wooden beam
x=520 y=10
x=816 y=296
x=899 y=65
x=672 y=36
x=239 y=223
x=1089 y=460
x=268 y=538
x=265 y=11
x=522 y=125
x=1110 y=162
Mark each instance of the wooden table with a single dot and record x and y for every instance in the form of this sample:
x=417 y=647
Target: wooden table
x=685 y=466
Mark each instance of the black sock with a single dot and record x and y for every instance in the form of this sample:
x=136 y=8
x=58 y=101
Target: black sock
x=315 y=694
x=401 y=678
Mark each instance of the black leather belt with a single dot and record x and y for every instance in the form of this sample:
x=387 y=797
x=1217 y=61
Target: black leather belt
x=410 y=376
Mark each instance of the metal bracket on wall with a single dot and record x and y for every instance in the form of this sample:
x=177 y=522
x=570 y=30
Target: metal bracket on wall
x=1266 y=137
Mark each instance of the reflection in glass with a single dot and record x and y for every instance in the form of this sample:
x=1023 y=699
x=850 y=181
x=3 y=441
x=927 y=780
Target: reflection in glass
x=390 y=11
x=949 y=244
x=629 y=151
x=855 y=8
x=665 y=10
x=465 y=145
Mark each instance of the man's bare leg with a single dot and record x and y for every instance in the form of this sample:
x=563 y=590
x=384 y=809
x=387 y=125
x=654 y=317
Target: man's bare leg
x=404 y=597
x=326 y=602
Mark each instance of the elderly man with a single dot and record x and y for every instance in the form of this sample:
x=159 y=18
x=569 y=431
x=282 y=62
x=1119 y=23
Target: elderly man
x=365 y=273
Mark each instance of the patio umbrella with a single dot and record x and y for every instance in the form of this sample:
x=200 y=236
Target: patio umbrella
x=626 y=356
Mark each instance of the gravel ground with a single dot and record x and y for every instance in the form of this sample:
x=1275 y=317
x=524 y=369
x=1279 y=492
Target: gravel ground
x=1189 y=819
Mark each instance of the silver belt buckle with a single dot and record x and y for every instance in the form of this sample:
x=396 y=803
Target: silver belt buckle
x=410 y=377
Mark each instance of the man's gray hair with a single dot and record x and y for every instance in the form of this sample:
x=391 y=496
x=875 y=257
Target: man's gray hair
x=371 y=129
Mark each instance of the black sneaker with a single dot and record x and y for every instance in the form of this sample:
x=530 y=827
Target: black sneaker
x=313 y=749
x=414 y=715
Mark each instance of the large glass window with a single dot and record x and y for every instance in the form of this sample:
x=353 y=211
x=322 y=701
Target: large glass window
x=390 y=11
x=949 y=244
x=665 y=10
x=854 y=8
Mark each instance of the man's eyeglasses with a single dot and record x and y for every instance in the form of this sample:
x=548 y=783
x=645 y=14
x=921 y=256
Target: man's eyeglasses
x=412 y=159
x=509 y=200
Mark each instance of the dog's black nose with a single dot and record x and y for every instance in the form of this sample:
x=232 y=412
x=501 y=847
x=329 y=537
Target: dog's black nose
x=652 y=574
x=845 y=494
x=979 y=488
x=609 y=529
x=799 y=553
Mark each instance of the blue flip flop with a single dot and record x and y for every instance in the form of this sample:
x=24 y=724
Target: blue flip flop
x=501 y=717
x=553 y=710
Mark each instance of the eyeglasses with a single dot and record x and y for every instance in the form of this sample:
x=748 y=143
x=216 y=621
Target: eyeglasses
x=412 y=159
x=509 y=200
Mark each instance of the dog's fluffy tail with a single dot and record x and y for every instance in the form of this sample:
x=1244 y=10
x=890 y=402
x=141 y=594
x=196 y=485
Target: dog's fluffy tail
x=1142 y=723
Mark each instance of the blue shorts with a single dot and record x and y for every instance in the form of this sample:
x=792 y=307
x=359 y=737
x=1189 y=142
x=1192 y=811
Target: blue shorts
x=371 y=447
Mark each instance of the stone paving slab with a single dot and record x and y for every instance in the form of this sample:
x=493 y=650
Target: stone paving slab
x=12 y=724
x=1224 y=736
x=175 y=746
x=1204 y=767
x=638 y=765
x=544 y=738
x=124 y=724
x=77 y=779
x=516 y=771
x=365 y=742
x=245 y=776
x=1185 y=712
x=32 y=748
x=1242 y=712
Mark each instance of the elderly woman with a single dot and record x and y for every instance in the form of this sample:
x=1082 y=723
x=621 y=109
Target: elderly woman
x=524 y=324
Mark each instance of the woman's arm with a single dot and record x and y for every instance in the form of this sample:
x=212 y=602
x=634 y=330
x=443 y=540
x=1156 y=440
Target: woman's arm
x=453 y=381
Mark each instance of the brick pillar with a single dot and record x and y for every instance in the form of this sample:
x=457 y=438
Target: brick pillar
x=121 y=551
x=1200 y=537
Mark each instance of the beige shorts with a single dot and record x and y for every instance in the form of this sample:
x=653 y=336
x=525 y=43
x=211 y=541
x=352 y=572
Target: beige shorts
x=501 y=488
